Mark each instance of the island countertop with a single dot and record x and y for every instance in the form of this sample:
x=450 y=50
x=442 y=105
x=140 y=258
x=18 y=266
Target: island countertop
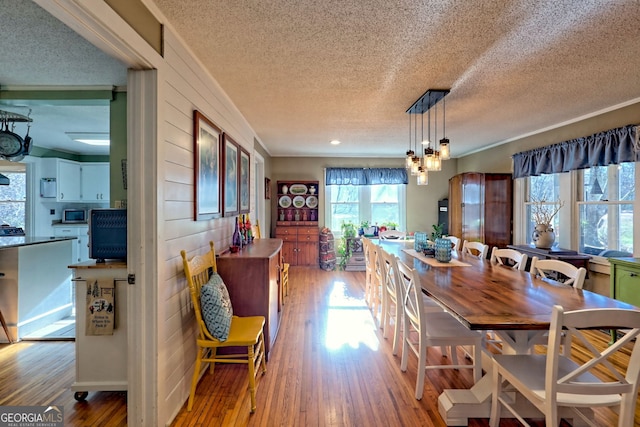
x=16 y=241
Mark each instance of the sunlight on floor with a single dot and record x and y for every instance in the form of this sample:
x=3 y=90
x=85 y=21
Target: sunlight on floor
x=349 y=321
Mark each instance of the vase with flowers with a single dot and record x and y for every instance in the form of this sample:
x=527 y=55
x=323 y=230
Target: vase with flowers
x=542 y=214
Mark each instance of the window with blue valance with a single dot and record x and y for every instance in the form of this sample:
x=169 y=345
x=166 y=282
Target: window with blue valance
x=601 y=149
x=366 y=176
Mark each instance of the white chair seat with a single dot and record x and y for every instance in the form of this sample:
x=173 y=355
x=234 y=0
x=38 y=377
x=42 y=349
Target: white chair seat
x=446 y=329
x=530 y=371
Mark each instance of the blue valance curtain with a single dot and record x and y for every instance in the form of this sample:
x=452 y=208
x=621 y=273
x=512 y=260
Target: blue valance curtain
x=366 y=176
x=601 y=149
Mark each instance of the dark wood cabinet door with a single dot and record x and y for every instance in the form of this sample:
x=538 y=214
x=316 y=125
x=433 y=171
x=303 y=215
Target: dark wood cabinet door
x=498 y=197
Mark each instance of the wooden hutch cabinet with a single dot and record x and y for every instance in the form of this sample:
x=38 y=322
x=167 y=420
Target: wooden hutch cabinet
x=297 y=221
x=481 y=208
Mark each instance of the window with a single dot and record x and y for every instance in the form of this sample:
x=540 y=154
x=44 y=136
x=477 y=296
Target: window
x=598 y=208
x=546 y=189
x=374 y=203
x=13 y=199
x=605 y=209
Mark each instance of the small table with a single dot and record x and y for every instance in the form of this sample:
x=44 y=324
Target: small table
x=567 y=255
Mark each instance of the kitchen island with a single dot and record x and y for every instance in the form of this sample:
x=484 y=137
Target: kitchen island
x=35 y=283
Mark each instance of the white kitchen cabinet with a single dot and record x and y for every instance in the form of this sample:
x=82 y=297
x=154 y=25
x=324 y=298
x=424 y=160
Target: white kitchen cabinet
x=78 y=181
x=95 y=182
x=68 y=176
x=80 y=251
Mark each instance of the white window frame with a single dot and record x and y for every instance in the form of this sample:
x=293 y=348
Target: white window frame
x=364 y=199
x=569 y=215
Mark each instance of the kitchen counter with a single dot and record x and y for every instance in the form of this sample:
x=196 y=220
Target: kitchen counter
x=35 y=289
x=17 y=241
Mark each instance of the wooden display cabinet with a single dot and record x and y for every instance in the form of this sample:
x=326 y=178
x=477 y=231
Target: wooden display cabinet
x=297 y=221
x=480 y=208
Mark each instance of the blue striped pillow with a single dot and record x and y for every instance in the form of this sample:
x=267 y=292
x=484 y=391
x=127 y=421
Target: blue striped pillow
x=216 y=308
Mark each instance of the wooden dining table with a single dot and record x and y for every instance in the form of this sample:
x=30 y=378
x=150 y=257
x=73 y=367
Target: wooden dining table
x=484 y=295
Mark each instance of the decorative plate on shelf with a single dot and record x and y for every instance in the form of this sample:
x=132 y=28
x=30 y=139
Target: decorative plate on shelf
x=284 y=202
x=298 y=189
x=312 y=202
x=298 y=201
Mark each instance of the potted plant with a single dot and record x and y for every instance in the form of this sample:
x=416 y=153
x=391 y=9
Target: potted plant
x=437 y=231
x=348 y=231
x=363 y=225
x=391 y=225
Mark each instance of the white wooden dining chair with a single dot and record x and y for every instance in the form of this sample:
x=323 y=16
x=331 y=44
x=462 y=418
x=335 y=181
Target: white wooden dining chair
x=455 y=242
x=432 y=329
x=392 y=234
x=368 y=269
x=476 y=249
x=549 y=268
x=377 y=282
x=392 y=292
x=553 y=381
x=516 y=259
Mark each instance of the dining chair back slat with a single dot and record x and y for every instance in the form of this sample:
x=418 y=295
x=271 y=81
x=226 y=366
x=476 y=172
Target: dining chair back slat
x=476 y=249
x=516 y=259
x=548 y=268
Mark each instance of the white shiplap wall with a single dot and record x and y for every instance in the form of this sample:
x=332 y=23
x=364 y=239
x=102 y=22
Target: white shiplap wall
x=185 y=87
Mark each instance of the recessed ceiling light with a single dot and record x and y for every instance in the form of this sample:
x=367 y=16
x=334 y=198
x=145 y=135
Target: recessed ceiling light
x=335 y=142
x=90 y=138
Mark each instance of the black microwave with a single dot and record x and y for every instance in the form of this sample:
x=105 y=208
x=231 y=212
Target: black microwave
x=74 y=216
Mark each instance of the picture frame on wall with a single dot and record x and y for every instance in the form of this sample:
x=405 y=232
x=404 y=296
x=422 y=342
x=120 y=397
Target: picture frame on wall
x=207 y=168
x=231 y=154
x=267 y=188
x=244 y=179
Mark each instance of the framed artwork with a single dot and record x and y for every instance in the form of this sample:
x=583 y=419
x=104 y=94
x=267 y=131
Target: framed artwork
x=231 y=154
x=245 y=171
x=267 y=188
x=207 y=166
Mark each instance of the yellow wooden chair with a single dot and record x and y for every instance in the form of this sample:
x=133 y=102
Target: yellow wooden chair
x=256 y=233
x=284 y=279
x=244 y=332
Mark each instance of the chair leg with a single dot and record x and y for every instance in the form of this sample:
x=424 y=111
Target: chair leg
x=252 y=377
x=194 y=379
x=494 y=421
x=422 y=370
x=4 y=326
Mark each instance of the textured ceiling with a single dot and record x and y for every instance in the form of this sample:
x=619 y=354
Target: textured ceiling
x=306 y=72
x=39 y=50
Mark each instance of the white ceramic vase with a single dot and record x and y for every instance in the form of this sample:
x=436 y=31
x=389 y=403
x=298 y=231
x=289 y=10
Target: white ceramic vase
x=543 y=236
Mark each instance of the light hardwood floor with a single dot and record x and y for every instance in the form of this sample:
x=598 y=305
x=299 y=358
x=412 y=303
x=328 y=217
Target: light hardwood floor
x=330 y=366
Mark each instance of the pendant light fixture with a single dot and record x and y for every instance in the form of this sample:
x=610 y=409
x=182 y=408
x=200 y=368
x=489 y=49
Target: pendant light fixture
x=445 y=154
x=432 y=160
x=410 y=152
x=415 y=160
x=437 y=163
x=423 y=176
